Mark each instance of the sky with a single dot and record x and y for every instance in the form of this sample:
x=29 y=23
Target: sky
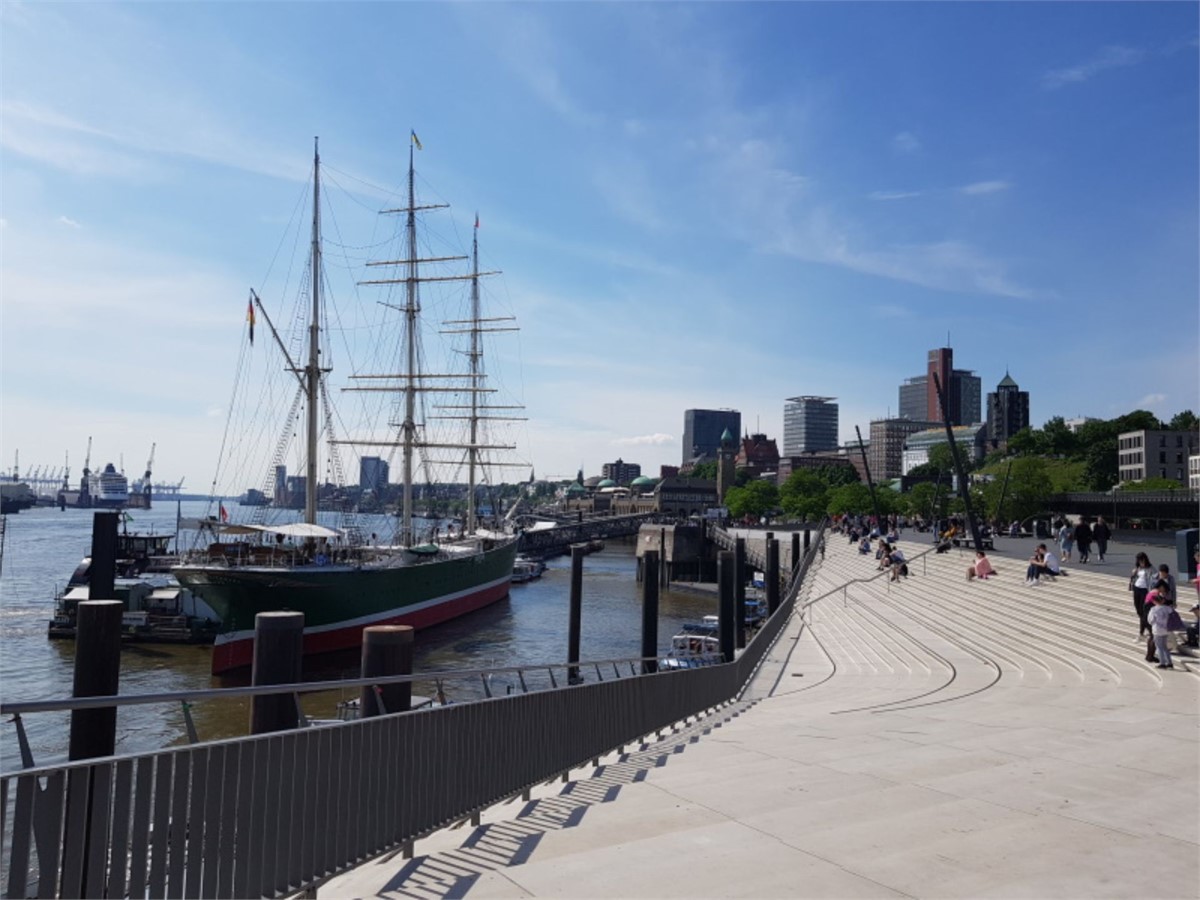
x=702 y=205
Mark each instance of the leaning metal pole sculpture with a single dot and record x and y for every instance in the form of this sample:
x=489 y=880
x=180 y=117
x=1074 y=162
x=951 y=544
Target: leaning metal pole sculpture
x=870 y=483
x=964 y=490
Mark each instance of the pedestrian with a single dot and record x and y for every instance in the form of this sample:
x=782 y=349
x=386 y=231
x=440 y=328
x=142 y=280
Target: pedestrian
x=1166 y=578
x=1100 y=534
x=1140 y=582
x=1158 y=617
x=1083 y=539
x=1066 y=539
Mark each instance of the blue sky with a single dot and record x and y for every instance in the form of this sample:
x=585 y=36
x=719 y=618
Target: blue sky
x=698 y=205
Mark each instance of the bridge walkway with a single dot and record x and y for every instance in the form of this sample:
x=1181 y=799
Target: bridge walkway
x=929 y=737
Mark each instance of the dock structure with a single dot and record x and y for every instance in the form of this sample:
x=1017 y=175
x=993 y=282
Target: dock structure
x=928 y=737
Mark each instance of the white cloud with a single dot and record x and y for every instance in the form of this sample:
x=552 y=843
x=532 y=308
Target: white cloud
x=893 y=195
x=1108 y=58
x=643 y=440
x=984 y=187
x=906 y=142
x=1152 y=400
x=68 y=221
x=3 y=223
x=890 y=311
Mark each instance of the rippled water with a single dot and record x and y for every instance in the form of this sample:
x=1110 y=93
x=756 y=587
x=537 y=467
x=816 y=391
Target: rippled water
x=43 y=546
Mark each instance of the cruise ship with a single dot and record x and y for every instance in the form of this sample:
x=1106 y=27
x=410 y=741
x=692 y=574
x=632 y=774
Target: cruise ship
x=108 y=488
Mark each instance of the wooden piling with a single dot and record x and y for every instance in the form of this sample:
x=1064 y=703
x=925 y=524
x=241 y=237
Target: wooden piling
x=97 y=672
x=576 y=613
x=772 y=575
x=650 y=613
x=725 y=567
x=739 y=592
x=795 y=560
x=278 y=652
x=102 y=574
x=386 y=650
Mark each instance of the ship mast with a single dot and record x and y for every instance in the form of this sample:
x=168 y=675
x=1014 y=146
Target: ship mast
x=312 y=382
x=474 y=353
x=409 y=426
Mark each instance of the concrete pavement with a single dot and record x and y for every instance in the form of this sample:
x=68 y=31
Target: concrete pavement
x=928 y=738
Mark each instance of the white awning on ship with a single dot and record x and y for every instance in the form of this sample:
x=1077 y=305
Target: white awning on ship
x=301 y=530
x=541 y=526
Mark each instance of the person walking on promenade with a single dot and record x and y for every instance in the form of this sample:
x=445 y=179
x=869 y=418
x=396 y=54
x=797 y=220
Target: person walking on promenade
x=1158 y=617
x=1066 y=540
x=1083 y=539
x=1100 y=534
x=1162 y=592
x=1140 y=582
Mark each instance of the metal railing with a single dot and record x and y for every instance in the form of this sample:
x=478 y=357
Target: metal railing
x=269 y=815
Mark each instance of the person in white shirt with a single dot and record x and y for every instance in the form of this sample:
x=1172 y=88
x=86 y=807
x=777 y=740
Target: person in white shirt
x=1157 y=618
x=1043 y=562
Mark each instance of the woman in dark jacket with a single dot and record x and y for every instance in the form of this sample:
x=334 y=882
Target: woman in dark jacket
x=1100 y=534
x=1083 y=540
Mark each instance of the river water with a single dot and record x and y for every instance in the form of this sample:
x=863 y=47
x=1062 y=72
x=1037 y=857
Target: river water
x=43 y=546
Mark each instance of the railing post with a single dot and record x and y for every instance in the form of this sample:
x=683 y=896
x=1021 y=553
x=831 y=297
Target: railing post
x=725 y=568
x=739 y=592
x=576 y=612
x=386 y=650
x=278 y=652
x=97 y=672
x=650 y=613
x=772 y=575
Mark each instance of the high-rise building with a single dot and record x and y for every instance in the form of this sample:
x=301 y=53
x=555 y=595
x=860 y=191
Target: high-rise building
x=964 y=390
x=620 y=471
x=372 y=474
x=702 y=430
x=810 y=425
x=280 y=485
x=1007 y=410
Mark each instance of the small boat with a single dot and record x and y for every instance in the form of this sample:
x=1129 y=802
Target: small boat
x=527 y=569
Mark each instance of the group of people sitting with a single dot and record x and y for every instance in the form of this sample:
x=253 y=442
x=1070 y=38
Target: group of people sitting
x=1043 y=564
x=892 y=558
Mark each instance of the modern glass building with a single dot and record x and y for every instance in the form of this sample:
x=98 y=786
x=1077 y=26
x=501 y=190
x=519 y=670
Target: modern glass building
x=810 y=425
x=702 y=430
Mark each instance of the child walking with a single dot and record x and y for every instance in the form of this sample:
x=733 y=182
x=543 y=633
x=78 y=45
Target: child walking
x=1157 y=618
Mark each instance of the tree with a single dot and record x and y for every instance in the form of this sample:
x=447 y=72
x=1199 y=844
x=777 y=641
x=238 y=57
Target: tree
x=836 y=476
x=1029 y=487
x=1184 y=421
x=850 y=498
x=757 y=498
x=1056 y=439
x=705 y=470
x=942 y=460
x=919 y=500
x=1023 y=443
x=805 y=495
x=1151 y=484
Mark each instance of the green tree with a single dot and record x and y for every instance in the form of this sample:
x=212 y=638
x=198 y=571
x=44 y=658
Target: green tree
x=705 y=470
x=1023 y=443
x=805 y=495
x=1151 y=484
x=850 y=498
x=1056 y=439
x=756 y=498
x=919 y=500
x=836 y=476
x=1029 y=487
x=1184 y=421
x=942 y=459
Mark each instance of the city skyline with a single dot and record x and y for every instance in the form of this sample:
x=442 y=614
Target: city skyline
x=797 y=198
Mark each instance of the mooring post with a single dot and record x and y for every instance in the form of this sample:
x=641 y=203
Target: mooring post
x=772 y=575
x=278 y=652
x=807 y=539
x=650 y=613
x=97 y=672
x=573 y=622
x=725 y=569
x=102 y=574
x=739 y=592
x=662 y=549
x=795 y=560
x=386 y=650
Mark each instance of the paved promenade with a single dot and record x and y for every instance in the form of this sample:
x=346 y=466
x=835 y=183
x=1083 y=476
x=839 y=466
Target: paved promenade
x=930 y=738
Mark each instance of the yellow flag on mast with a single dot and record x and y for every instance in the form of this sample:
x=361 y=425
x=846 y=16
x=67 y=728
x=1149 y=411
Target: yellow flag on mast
x=416 y=140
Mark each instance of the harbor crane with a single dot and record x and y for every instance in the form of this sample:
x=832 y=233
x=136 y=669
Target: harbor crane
x=149 y=464
x=87 y=460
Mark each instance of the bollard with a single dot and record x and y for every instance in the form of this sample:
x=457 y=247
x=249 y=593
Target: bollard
x=772 y=576
x=725 y=567
x=650 y=614
x=795 y=560
x=102 y=574
x=573 y=623
x=97 y=672
x=386 y=650
x=278 y=651
x=739 y=592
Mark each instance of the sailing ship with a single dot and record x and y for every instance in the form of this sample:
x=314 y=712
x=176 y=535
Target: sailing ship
x=338 y=578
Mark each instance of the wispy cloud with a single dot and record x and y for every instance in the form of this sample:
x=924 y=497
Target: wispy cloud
x=906 y=142
x=1153 y=400
x=68 y=221
x=1113 y=57
x=984 y=187
x=893 y=195
x=644 y=440
x=890 y=311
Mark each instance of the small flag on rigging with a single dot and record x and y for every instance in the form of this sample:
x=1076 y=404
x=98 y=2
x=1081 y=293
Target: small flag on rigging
x=416 y=140
x=224 y=513
x=250 y=318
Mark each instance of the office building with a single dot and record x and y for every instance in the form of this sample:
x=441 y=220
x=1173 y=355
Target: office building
x=964 y=390
x=280 y=485
x=886 y=451
x=810 y=425
x=971 y=439
x=1155 y=454
x=1008 y=411
x=372 y=474
x=702 y=430
x=620 y=471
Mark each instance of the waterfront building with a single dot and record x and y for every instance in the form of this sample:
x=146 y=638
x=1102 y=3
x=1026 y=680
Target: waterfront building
x=1155 y=454
x=620 y=471
x=918 y=395
x=1008 y=411
x=886 y=451
x=666 y=471
x=810 y=425
x=758 y=454
x=1194 y=472
x=372 y=474
x=1075 y=424
x=725 y=467
x=702 y=430
x=974 y=438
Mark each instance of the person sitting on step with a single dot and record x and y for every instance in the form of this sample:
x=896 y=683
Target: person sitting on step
x=981 y=568
x=1043 y=562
